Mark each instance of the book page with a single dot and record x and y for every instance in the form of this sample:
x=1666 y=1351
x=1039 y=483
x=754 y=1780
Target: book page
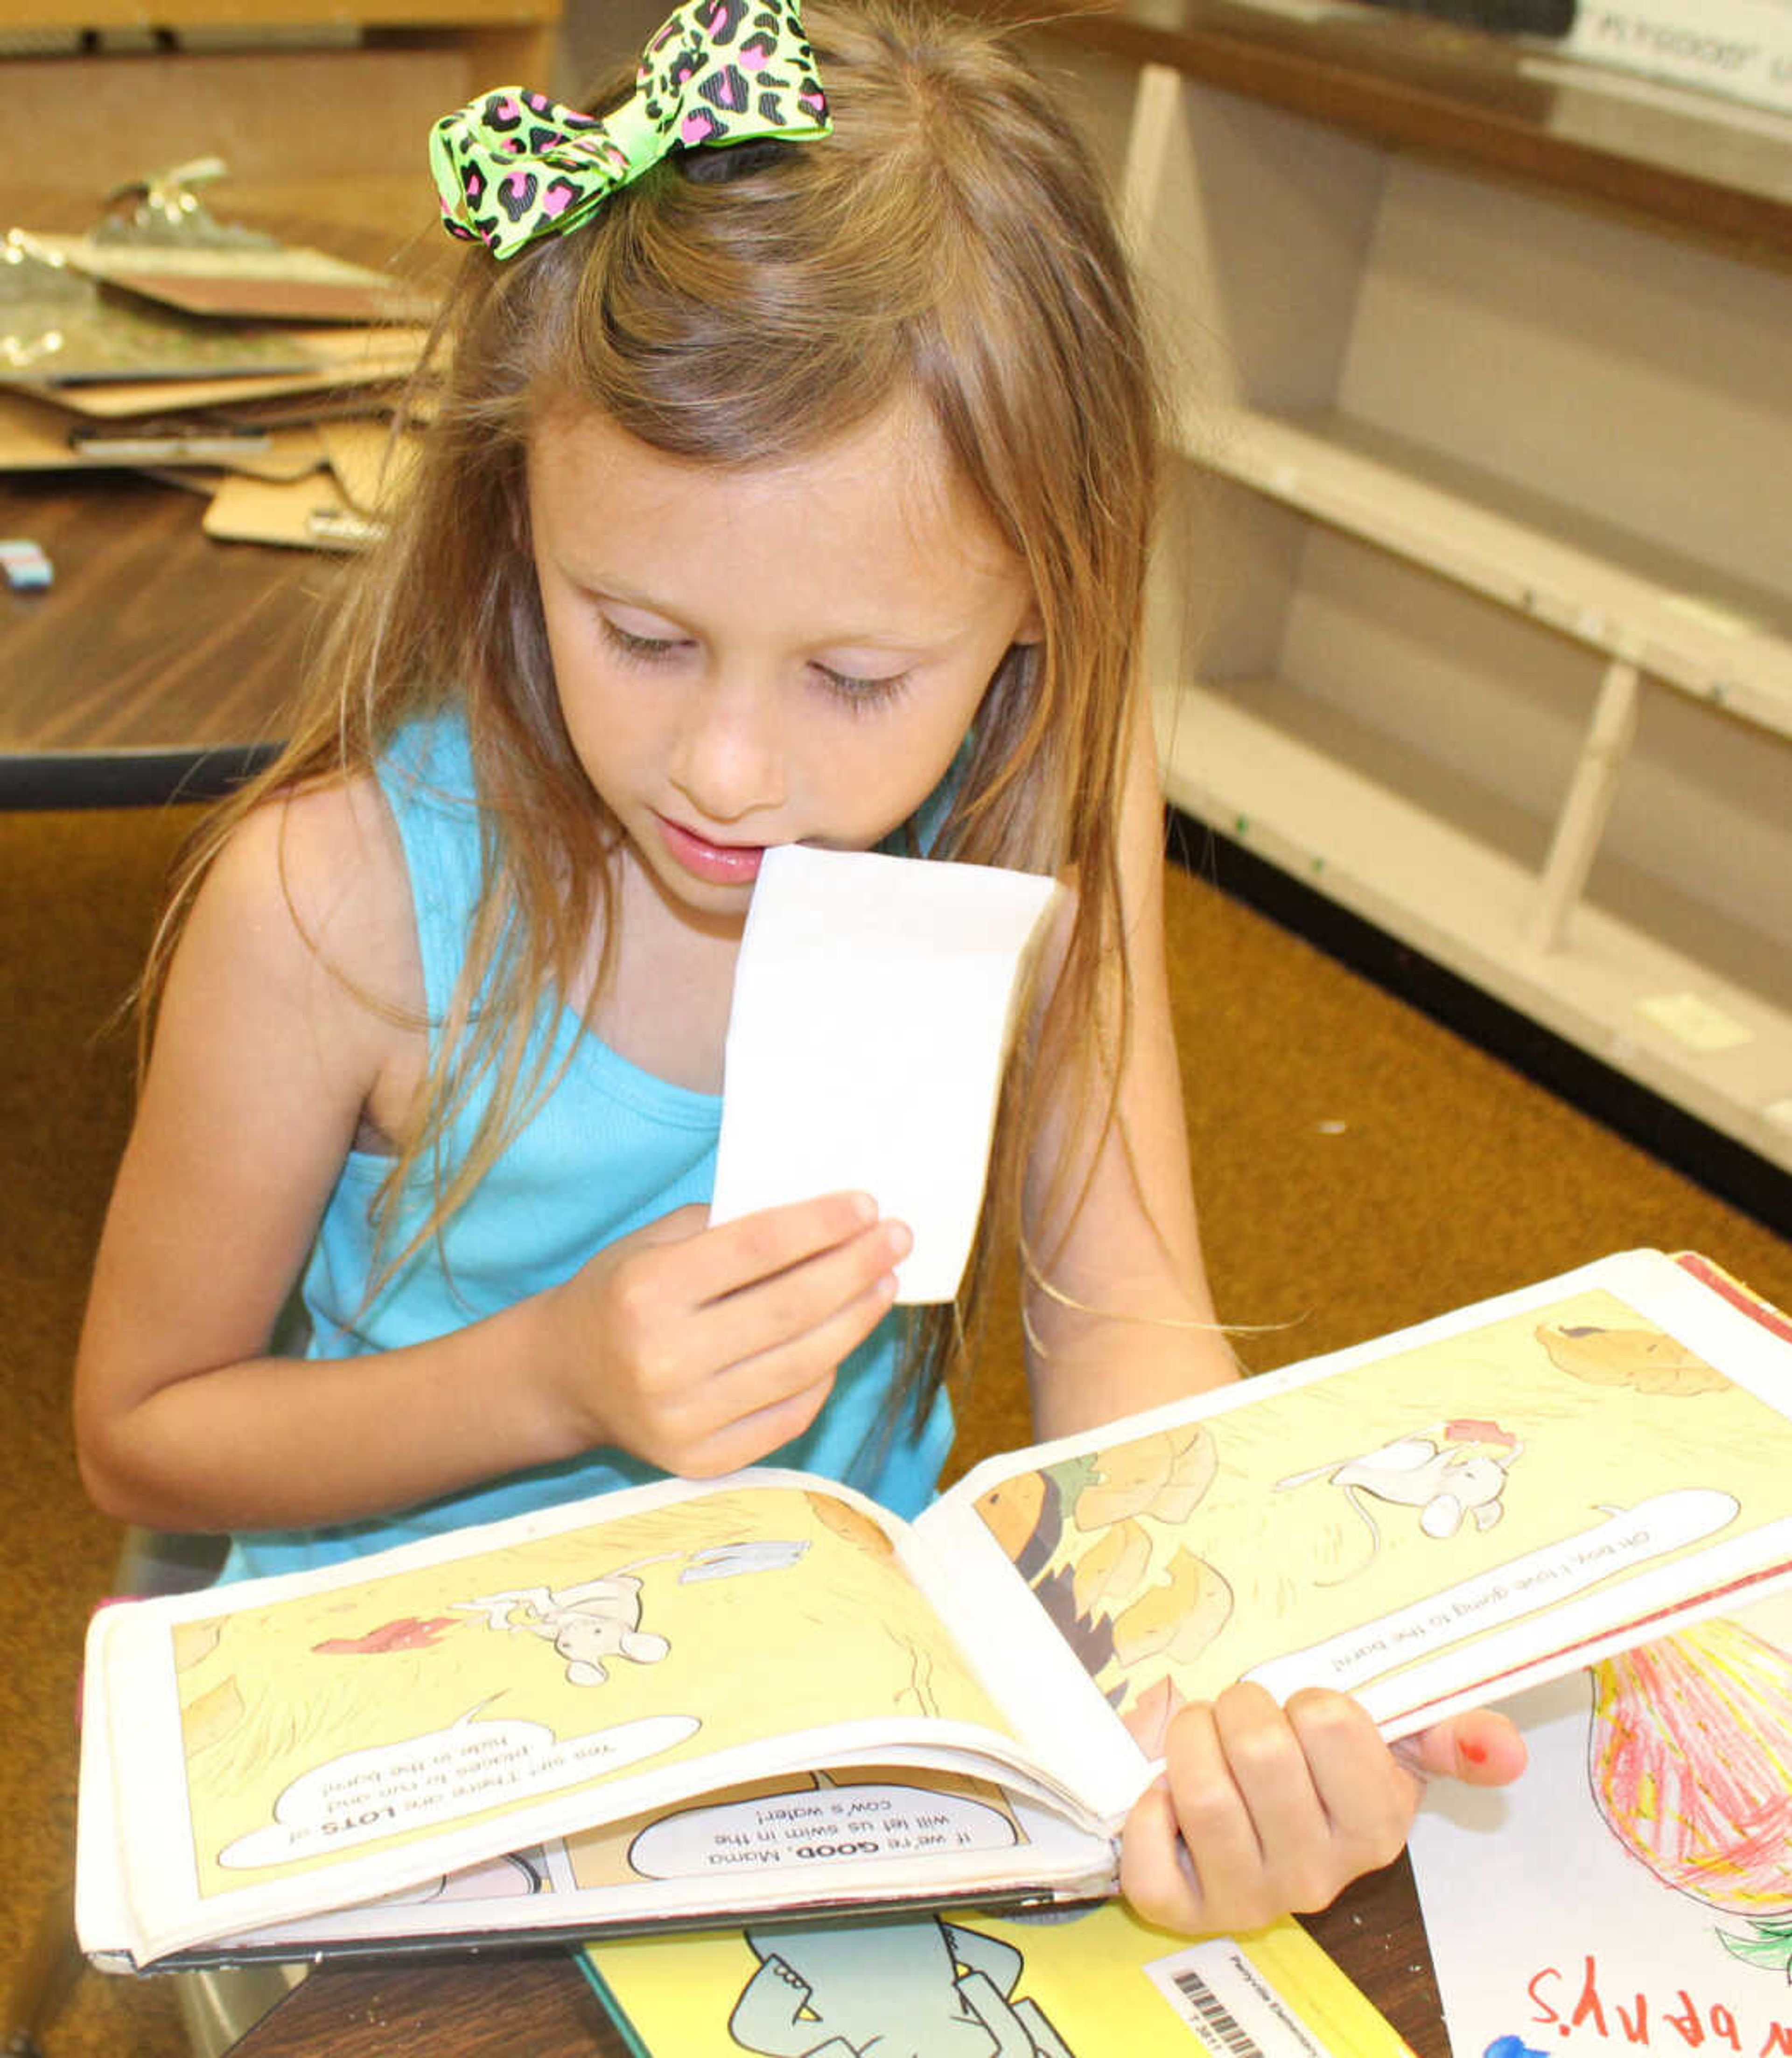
x=424 y=1708
x=1418 y=1521
x=866 y=1836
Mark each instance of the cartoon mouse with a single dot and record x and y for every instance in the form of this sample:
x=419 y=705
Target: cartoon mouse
x=586 y=1623
x=1443 y=1485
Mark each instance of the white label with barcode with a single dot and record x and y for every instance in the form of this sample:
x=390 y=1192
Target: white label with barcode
x=1233 y=2010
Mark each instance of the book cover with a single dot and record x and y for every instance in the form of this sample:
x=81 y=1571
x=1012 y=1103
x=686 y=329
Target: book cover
x=1084 y=1983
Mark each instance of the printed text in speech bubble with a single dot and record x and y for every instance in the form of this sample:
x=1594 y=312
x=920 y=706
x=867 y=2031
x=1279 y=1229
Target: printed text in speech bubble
x=816 y=1826
x=429 y=1779
x=1627 y=1538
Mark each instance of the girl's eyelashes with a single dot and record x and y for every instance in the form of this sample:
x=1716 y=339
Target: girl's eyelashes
x=640 y=650
x=860 y=695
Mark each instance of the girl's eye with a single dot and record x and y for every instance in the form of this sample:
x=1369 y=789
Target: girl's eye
x=863 y=695
x=639 y=650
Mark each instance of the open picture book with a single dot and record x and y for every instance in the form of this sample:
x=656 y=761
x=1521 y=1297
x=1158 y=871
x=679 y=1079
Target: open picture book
x=763 y=1695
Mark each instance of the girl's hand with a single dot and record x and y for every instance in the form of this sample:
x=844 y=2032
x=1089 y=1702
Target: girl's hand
x=1264 y=1811
x=701 y=1349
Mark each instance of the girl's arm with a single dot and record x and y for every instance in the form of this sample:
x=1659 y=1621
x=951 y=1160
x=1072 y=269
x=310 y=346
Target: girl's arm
x=1122 y=1317
x=275 y=1036
x=292 y=1013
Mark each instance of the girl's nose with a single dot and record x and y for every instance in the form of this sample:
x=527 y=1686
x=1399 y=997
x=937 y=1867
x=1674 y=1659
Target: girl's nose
x=728 y=759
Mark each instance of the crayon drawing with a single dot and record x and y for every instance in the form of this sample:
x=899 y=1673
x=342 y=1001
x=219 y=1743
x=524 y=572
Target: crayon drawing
x=1689 y=1762
x=1635 y=1888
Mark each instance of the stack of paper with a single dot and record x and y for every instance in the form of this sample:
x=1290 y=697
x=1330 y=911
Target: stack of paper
x=260 y=375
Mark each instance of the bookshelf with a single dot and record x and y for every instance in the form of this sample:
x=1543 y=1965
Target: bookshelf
x=1475 y=616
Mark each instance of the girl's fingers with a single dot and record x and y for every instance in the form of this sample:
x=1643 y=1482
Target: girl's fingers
x=757 y=1397
x=749 y=1439
x=798 y=1303
x=754 y=1250
x=1289 y=1767
x=1204 y=1857
x=1482 y=1748
x=1157 y=1875
x=1366 y=1803
x=1262 y=1810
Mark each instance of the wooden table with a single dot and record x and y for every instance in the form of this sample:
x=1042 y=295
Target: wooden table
x=161 y=660
x=539 y=2003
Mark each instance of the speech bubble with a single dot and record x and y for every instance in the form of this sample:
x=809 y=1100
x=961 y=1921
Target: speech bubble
x=817 y=1826
x=429 y=1780
x=1628 y=1537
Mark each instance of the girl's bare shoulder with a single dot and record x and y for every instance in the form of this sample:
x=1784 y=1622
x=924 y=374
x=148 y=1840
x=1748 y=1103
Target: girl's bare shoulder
x=311 y=884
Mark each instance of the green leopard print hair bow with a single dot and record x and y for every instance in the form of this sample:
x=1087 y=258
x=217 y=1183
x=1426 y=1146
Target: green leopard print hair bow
x=514 y=165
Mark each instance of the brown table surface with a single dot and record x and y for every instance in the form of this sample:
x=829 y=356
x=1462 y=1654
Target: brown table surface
x=161 y=659
x=540 y=2003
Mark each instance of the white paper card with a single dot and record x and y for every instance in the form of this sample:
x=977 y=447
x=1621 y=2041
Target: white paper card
x=1558 y=1926
x=873 y=1003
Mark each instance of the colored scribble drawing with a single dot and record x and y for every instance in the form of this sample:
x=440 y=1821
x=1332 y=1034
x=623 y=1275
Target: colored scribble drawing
x=1343 y=1530
x=406 y=1633
x=898 y=1989
x=1689 y=1761
x=320 y=1728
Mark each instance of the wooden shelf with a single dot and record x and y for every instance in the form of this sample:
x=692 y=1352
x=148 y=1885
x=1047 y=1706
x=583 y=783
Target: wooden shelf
x=1689 y=624
x=1478 y=379
x=1683 y=158
x=1331 y=802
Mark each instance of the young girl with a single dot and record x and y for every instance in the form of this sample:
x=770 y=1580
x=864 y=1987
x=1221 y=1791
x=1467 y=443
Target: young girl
x=788 y=478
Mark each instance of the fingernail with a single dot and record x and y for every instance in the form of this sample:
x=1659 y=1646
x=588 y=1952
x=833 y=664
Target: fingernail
x=864 y=1207
x=901 y=1238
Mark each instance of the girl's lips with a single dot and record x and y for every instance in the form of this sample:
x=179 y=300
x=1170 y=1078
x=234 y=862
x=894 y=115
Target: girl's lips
x=716 y=863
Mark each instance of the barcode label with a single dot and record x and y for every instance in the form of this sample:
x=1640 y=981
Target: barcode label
x=1228 y=2006
x=1215 y=2018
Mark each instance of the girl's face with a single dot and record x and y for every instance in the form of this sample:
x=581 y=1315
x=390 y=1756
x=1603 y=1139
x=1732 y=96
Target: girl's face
x=790 y=653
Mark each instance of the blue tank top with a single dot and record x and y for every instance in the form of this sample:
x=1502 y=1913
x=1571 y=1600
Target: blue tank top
x=611 y=1149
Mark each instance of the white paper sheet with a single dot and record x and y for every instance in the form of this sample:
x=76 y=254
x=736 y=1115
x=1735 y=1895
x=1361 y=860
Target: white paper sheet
x=872 y=1008
x=1551 y=1936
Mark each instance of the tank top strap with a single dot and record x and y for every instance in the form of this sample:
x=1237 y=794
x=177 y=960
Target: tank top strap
x=426 y=777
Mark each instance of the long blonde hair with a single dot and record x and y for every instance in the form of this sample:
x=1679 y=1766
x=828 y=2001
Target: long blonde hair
x=951 y=239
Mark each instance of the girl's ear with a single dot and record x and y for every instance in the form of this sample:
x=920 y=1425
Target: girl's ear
x=1032 y=625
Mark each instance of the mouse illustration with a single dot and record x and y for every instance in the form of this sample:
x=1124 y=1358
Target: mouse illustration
x=1446 y=1486
x=586 y=1623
